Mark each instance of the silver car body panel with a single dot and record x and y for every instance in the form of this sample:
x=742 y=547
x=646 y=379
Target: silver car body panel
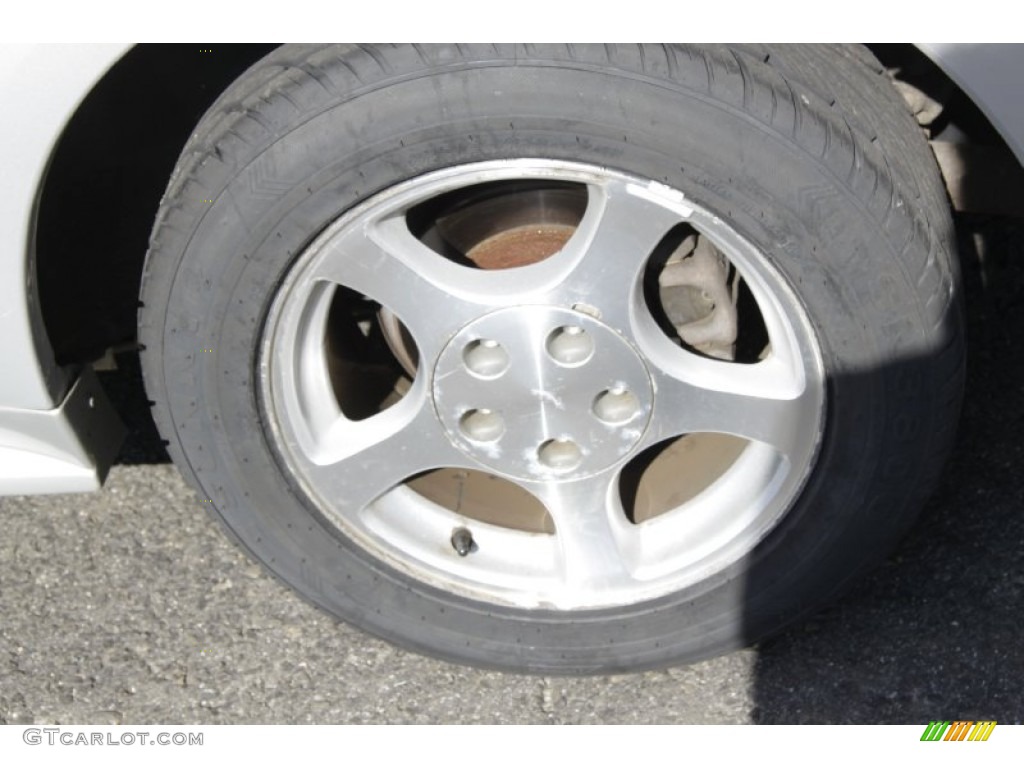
x=58 y=433
x=61 y=450
x=51 y=439
x=992 y=76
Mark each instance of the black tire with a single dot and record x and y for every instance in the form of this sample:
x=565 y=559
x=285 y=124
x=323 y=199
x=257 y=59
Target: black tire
x=806 y=152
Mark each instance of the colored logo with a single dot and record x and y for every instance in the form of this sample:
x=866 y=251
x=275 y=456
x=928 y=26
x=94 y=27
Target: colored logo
x=958 y=730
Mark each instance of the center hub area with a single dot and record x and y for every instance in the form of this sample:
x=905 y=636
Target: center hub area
x=542 y=392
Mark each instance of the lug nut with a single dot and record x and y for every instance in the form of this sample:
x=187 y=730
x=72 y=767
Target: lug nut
x=482 y=425
x=570 y=345
x=616 y=405
x=486 y=358
x=560 y=455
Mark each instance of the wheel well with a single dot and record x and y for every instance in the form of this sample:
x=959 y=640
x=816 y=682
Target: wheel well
x=104 y=184
x=983 y=176
x=960 y=119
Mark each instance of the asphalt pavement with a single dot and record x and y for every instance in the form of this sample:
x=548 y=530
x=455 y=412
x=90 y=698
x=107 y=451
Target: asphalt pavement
x=129 y=605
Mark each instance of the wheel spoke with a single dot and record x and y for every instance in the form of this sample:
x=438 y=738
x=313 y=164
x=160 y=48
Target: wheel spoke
x=354 y=462
x=592 y=531
x=384 y=261
x=765 y=402
x=622 y=226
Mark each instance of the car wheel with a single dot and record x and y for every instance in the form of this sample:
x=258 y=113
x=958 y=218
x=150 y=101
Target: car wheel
x=560 y=359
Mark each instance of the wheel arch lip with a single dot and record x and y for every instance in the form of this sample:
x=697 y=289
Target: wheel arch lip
x=54 y=444
x=989 y=74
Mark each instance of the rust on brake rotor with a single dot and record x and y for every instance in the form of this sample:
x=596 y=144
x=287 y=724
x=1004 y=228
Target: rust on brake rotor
x=520 y=246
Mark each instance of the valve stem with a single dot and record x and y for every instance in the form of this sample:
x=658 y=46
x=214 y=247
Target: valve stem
x=462 y=541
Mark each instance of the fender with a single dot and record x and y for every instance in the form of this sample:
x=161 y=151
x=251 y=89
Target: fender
x=990 y=75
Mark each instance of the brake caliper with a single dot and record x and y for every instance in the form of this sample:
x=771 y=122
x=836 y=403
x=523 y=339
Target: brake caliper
x=698 y=299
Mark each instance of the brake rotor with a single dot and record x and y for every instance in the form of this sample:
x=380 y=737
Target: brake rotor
x=520 y=246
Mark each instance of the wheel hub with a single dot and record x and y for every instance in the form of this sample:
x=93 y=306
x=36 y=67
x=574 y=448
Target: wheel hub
x=542 y=393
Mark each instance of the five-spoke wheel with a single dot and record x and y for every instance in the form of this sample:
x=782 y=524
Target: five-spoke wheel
x=648 y=462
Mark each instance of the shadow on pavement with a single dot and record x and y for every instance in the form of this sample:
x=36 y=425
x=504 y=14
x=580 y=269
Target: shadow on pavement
x=935 y=632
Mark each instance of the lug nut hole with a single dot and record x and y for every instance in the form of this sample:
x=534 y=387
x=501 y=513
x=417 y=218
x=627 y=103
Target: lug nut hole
x=560 y=455
x=570 y=345
x=482 y=425
x=616 y=405
x=485 y=358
